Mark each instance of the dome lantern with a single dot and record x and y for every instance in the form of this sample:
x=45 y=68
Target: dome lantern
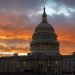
x=44 y=16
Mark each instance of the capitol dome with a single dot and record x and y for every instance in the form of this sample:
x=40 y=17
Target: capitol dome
x=44 y=26
x=44 y=39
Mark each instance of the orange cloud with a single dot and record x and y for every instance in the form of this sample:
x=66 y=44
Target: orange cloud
x=16 y=34
x=14 y=28
x=66 y=38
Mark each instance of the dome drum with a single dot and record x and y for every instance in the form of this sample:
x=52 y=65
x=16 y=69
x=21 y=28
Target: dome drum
x=44 y=35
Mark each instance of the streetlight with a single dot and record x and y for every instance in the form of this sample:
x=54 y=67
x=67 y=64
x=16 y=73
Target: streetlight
x=57 y=66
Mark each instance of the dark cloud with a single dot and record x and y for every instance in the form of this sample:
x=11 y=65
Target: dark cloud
x=70 y=3
x=21 y=5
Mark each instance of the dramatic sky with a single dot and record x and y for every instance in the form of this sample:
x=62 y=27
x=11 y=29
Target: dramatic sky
x=18 y=19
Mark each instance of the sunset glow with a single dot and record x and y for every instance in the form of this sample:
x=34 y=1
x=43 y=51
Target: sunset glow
x=18 y=22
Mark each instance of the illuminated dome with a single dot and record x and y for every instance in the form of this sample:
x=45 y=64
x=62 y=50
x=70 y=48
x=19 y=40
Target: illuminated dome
x=44 y=39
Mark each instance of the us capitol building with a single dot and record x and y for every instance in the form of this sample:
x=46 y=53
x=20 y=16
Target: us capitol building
x=44 y=56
